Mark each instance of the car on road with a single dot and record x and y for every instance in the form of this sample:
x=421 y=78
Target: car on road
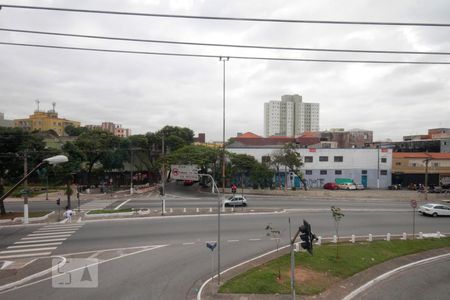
x=347 y=186
x=433 y=209
x=330 y=186
x=360 y=186
x=236 y=200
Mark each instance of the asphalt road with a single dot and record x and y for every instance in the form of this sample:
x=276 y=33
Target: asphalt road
x=177 y=269
x=426 y=281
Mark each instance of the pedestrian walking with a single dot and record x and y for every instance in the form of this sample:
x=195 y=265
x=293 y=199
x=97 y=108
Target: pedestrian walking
x=68 y=215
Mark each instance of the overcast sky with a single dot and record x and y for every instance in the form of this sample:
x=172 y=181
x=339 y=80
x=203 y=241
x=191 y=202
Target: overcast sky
x=146 y=92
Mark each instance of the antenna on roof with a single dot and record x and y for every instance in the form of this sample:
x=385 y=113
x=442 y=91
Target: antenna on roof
x=53 y=104
x=37 y=103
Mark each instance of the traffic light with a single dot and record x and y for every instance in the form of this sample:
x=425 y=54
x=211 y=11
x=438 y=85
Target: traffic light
x=58 y=201
x=307 y=237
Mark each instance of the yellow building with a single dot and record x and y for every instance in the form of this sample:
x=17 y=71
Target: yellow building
x=45 y=121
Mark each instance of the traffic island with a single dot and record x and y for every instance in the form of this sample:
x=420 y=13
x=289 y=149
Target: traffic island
x=317 y=275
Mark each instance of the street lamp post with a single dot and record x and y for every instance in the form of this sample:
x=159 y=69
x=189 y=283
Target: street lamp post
x=54 y=160
x=219 y=207
x=224 y=60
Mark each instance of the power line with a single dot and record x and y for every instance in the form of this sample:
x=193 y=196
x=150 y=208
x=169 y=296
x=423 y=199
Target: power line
x=332 y=22
x=222 y=45
x=229 y=56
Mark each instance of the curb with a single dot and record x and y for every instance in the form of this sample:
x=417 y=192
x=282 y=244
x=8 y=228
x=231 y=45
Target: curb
x=34 y=276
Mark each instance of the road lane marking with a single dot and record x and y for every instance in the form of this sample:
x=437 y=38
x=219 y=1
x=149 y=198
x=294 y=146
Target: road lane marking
x=26 y=255
x=27 y=250
x=121 y=204
x=384 y=276
x=46 y=237
x=252 y=240
x=41 y=241
x=191 y=243
x=34 y=245
x=232 y=241
x=74 y=226
x=51 y=233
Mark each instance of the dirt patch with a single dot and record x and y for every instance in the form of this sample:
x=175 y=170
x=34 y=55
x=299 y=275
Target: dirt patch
x=11 y=215
x=309 y=282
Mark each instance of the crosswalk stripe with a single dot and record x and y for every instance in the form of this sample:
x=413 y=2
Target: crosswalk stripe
x=54 y=227
x=54 y=231
x=46 y=237
x=34 y=245
x=27 y=250
x=26 y=255
x=51 y=233
x=41 y=241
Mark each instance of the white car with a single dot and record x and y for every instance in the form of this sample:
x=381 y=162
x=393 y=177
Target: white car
x=235 y=200
x=347 y=186
x=434 y=210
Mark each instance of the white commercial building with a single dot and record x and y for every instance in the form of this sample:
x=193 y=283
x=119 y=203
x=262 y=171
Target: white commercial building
x=370 y=167
x=290 y=116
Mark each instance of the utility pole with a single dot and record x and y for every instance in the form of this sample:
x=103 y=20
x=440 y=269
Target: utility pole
x=426 y=161
x=223 y=59
x=378 y=168
x=131 y=172
x=163 y=181
x=25 y=187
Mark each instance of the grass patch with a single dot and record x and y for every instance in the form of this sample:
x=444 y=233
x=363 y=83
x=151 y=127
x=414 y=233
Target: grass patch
x=109 y=211
x=316 y=273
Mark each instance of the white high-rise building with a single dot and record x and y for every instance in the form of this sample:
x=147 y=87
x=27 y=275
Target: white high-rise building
x=290 y=116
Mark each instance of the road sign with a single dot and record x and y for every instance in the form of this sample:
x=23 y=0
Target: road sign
x=211 y=245
x=413 y=203
x=184 y=172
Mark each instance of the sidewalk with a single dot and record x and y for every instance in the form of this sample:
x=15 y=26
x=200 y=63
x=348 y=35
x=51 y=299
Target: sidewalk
x=370 y=194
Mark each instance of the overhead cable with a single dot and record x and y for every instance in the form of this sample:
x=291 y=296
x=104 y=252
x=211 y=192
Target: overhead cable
x=329 y=22
x=221 y=45
x=229 y=56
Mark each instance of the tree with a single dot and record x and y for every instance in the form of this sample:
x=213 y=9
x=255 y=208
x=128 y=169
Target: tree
x=15 y=143
x=75 y=131
x=97 y=145
x=200 y=155
x=261 y=175
x=242 y=164
x=289 y=157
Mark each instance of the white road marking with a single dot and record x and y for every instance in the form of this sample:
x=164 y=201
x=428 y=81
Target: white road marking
x=232 y=241
x=41 y=241
x=27 y=250
x=34 y=245
x=46 y=237
x=191 y=243
x=74 y=226
x=51 y=233
x=121 y=204
x=26 y=255
x=254 y=240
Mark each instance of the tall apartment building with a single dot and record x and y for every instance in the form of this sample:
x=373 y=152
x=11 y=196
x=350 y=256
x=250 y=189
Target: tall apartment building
x=290 y=116
x=4 y=122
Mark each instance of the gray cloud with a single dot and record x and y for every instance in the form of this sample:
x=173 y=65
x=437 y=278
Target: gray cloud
x=147 y=92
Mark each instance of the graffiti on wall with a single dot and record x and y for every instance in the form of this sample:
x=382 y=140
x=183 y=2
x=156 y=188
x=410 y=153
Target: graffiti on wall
x=314 y=182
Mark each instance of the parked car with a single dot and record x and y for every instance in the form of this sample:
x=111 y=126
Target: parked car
x=330 y=186
x=236 y=200
x=360 y=186
x=347 y=186
x=433 y=209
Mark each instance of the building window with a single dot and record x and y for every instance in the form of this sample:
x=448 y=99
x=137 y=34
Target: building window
x=338 y=172
x=383 y=172
x=436 y=164
x=308 y=172
x=308 y=159
x=383 y=159
x=323 y=172
x=265 y=159
x=338 y=159
x=323 y=158
x=398 y=163
x=414 y=164
x=364 y=172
